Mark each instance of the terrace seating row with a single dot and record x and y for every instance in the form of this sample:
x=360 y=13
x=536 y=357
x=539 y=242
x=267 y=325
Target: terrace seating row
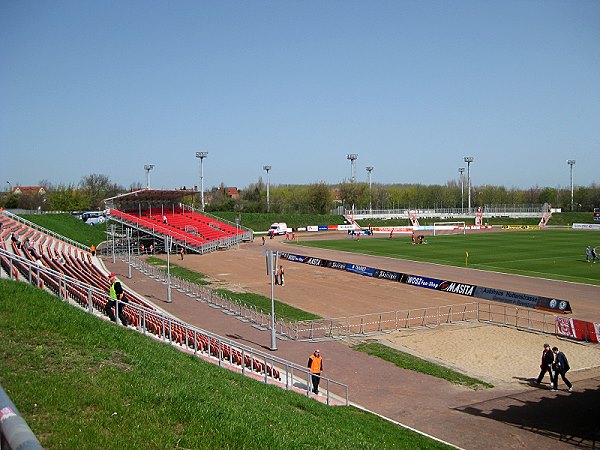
x=46 y=251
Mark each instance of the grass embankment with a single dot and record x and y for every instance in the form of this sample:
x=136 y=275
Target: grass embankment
x=553 y=254
x=85 y=383
x=71 y=227
x=262 y=303
x=410 y=362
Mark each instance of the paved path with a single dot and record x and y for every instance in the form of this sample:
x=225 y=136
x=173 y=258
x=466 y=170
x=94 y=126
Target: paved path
x=514 y=416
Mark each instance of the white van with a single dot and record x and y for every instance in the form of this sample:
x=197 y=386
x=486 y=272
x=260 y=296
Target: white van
x=278 y=228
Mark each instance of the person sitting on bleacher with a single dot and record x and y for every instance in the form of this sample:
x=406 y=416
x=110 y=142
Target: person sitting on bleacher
x=116 y=293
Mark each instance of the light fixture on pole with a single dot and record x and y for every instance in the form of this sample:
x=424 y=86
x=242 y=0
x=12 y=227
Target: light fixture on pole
x=148 y=168
x=461 y=170
x=352 y=157
x=267 y=169
x=469 y=160
x=201 y=156
x=9 y=186
x=369 y=170
x=571 y=162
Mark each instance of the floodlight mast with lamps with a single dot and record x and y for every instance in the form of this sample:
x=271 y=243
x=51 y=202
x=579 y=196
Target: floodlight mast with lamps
x=148 y=168
x=352 y=157
x=201 y=156
x=369 y=170
x=571 y=163
x=9 y=186
x=267 y=169
x=469 y=160
x=461 y=170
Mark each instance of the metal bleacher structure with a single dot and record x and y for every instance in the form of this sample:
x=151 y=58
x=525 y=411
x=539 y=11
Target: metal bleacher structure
x=68 y=270
x=143 y=213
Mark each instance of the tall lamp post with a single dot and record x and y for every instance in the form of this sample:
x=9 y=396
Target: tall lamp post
x=267 y=169
x=9 y=186
x=461 y=170
x=469 y=160
x=201 y=156
x=571 y=163
x=148 y=168
x=369 y=170
x=352 y=157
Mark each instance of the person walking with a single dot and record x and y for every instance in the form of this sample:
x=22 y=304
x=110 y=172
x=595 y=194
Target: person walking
x=588 y=253
x=561 y=366
x=315 y=364
x=181 y=253
x=116 y=293
x=93 y=250
x=594 y=255
x=281 y=274
x=546 y=365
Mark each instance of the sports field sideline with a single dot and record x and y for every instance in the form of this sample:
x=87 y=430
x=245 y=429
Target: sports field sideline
x=550 y=254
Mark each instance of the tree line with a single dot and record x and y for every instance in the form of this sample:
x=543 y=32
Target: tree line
x=315 y=198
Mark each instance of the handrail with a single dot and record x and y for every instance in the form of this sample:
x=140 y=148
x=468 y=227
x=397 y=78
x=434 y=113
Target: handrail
x=14 y=431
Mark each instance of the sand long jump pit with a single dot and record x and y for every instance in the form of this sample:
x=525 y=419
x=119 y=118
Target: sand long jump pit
x=492 y=353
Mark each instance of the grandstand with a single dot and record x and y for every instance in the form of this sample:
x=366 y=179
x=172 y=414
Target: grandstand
x=152 y=215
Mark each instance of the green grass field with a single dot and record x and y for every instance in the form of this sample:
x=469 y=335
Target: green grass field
x=83 y=383
x=553 y=254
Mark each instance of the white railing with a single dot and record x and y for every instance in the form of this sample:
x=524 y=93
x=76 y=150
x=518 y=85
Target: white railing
x=227 y=353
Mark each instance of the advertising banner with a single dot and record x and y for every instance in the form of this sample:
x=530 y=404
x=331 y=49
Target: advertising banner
x=315 y=261
x=323 y=227
x=345 y=227
x=457 y=288
x=424 y=282
x=564 y=327
x=586 y=226
x=520 y=227
x=336 y=265
x=361 y=270
x=388 y=275
x=312 y=228
x=525 y=300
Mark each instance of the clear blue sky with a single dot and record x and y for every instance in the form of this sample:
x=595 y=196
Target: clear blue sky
x=411 y=86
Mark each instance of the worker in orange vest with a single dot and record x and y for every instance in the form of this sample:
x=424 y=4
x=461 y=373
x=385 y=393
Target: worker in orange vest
x=315 y=364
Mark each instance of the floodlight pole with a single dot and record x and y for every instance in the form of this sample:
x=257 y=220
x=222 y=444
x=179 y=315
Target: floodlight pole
x=148 y=168
x=369 y=170
x=461 y=170
x=128 y=230
x=267 y=169
x=272 y=260
x=9 y=186
x=168 y=245
x=571 y=163
x=201 y=156
x=469 y=160
x=352 y=157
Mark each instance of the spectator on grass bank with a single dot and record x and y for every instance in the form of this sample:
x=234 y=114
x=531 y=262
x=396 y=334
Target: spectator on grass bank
x=546 y=365
x=315 y=364
x=116 y=293
x=561 y=366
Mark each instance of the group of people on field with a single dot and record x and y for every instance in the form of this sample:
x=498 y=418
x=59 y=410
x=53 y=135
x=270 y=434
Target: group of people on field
x=555 y=363
x=591 y=254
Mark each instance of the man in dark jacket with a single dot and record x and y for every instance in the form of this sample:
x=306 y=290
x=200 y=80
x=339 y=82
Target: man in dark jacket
x=561 y=366
x=546 y=365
